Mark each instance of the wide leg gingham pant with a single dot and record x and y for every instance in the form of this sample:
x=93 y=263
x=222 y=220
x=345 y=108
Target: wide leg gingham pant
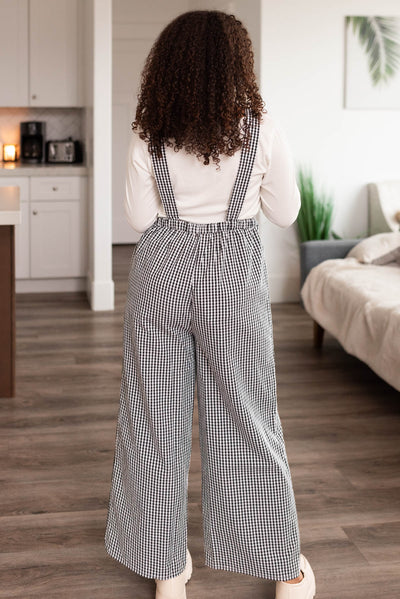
x=198 y=307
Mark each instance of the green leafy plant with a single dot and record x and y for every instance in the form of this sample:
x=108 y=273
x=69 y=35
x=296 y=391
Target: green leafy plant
x=315 y=216
x=379 y=37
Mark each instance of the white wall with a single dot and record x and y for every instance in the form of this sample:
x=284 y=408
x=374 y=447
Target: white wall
x=136 y=25
x=302 y=83
x=247 y=11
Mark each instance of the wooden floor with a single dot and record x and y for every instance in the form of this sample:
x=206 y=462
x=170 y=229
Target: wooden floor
x=342 y=432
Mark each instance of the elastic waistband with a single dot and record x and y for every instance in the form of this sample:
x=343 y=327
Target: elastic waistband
x=186 y=225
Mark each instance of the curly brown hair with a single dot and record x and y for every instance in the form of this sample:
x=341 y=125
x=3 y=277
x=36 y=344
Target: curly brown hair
x=197 y=82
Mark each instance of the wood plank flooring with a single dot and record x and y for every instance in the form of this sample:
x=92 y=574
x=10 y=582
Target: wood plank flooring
x=342 y=430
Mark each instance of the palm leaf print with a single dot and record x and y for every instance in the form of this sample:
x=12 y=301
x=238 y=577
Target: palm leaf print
x=379 y=37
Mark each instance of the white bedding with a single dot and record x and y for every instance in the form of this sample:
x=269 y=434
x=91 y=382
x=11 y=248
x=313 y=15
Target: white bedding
x=359 y=304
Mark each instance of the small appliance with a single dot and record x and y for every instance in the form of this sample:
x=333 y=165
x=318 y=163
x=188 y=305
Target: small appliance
x=64 y=150
x=32 y=141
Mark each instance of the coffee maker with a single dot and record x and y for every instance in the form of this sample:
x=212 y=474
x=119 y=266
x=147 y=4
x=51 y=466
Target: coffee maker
x=32 y=141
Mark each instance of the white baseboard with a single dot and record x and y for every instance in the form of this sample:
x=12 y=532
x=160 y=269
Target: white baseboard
x=100 y=294
x=284 y=288
x=49 y=285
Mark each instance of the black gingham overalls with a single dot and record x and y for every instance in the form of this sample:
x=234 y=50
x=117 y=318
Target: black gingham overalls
x=198 y=306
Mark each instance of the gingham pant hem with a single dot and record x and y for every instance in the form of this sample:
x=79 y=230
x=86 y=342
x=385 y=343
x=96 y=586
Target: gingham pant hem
x=255 y=571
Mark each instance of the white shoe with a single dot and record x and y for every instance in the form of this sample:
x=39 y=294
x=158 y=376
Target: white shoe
x=174 y=588
x=305 y=589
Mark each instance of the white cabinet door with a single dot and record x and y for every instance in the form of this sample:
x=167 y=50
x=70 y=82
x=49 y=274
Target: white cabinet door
x=22 y=235
x=22 y=243
x=53 y=53
x=57 y=240
x=13 y=53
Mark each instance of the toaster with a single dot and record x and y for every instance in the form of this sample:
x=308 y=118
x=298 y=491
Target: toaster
x=63 y=150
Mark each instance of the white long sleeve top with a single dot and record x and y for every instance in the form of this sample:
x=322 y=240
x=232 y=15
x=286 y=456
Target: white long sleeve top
x=202 y=192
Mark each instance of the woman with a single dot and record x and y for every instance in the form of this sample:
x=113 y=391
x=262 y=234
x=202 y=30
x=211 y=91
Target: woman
x=203 y=159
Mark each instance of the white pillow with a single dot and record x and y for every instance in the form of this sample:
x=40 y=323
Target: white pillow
x=381 y=248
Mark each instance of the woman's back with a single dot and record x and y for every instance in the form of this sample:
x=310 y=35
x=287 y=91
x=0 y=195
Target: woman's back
x=202 y=192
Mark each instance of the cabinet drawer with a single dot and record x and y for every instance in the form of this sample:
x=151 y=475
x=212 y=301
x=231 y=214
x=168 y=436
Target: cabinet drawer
x=56 y=188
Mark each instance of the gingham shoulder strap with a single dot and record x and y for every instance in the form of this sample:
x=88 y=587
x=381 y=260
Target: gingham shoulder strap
x=164 y=184
x=247 y=156
x=239 y=190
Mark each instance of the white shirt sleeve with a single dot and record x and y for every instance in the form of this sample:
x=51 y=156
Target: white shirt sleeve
x=279 y=194
x=142 y=200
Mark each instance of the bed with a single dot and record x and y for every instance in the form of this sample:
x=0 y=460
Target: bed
x=356 y=299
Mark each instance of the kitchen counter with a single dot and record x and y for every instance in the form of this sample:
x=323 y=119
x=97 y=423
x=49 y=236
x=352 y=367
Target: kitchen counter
x=13 y=169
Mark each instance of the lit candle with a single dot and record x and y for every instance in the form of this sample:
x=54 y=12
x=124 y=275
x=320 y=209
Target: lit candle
x=9 y=153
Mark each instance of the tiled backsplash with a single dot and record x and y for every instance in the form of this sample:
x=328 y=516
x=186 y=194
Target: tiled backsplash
x=60 y=122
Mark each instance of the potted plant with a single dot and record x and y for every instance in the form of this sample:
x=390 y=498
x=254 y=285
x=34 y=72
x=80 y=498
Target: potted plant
x=315 y=216
x=314 y=224
x=317 y=240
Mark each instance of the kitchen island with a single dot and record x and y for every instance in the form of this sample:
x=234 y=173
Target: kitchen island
x=10 y=215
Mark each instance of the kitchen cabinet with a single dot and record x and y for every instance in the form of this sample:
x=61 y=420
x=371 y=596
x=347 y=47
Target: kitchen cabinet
x=50 y=242
x=58 y=227
x=22 y=244
x=41 y=64
x=56 y=242
x=14 y=53
x=53 y=53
